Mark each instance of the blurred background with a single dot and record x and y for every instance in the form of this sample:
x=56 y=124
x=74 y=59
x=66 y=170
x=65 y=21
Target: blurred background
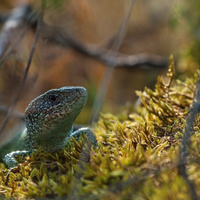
x=156 y=30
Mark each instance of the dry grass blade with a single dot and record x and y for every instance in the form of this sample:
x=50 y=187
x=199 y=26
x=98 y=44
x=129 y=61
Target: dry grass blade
x=27 y=67
x=100 y=96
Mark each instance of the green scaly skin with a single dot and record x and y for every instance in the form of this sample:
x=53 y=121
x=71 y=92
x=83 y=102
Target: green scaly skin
x=49 y=119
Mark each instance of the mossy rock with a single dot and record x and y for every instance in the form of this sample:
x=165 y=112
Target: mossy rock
x=137 y=157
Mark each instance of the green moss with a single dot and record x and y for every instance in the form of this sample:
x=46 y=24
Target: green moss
x=137 y=158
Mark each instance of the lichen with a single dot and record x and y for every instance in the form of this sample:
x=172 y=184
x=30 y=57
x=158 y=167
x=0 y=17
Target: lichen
x=137 y=157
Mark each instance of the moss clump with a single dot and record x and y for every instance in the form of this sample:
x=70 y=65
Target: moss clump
x=137 y=158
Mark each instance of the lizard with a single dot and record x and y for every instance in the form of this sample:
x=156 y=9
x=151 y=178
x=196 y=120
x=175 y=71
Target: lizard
x=48 y=125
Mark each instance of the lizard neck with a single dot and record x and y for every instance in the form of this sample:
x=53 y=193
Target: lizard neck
x=53 y=141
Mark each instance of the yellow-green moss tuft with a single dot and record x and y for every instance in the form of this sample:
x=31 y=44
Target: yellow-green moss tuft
x=137 y=158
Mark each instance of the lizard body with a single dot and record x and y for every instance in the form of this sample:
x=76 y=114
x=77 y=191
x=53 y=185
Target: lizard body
x=48 y=119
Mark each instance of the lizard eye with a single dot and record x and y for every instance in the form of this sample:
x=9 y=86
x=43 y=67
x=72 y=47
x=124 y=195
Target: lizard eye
x=52 y=97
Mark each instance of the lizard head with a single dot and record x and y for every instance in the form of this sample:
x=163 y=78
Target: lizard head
x=52 y=114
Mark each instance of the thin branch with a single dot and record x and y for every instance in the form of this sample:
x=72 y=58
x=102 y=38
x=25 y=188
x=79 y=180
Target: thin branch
x=184 y=152
x=13 y=31
x=15 y=114
x=43 y=5
x=59 y=37
x=105 y=82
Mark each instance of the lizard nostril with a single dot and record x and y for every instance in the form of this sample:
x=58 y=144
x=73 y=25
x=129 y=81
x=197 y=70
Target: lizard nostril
x=29 y=117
